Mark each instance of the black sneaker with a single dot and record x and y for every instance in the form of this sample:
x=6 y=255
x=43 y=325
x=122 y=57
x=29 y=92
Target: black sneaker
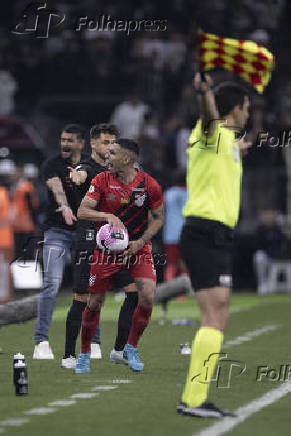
x=206 y=410
x=180 y=407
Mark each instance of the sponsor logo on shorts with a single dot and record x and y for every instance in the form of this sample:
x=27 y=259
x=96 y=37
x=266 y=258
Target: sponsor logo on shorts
x=90 y=235
x=225 y=280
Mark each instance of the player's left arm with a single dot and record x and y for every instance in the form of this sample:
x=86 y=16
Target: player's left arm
x=156 y=223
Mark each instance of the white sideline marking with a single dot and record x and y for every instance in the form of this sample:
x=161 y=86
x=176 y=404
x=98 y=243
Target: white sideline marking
x=122 y=381
x=14 y=422
x=62 y=403
x=84 y=396
x=17 y=422
x=249 y=336
x=114 y=381
x=104 y=388
x=40 y=411
x=246 y=411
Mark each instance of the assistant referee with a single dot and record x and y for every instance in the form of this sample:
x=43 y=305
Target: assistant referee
x=211 y=212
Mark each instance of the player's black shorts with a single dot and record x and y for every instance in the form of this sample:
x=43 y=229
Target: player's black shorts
x=206 y=247
x=85 y=246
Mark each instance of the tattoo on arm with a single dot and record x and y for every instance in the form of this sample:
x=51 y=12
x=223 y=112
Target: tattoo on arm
x=139 y=284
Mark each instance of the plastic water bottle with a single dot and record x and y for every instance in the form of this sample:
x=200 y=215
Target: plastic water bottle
x=20 y=375
x=18 y=356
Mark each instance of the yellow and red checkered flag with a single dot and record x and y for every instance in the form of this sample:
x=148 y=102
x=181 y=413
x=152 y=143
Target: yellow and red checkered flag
x=248 y=59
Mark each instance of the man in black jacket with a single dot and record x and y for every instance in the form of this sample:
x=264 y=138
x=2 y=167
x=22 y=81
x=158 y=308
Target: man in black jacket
x=60 y=229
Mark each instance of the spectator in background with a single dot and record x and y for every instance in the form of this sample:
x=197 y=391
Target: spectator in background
x=129 y=117
x=30 y=172
x=25 y=205
x=8 y=87
x=284 y=105
x=271 y=243
x=6 y=231
x=188 y=107
x=181 y=146
x=175 y=199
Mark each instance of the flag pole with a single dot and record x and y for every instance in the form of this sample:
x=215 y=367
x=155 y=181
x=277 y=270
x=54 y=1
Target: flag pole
x=202 y=75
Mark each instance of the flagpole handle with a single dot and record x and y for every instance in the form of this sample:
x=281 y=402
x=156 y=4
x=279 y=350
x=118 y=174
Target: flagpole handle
x=202 y=75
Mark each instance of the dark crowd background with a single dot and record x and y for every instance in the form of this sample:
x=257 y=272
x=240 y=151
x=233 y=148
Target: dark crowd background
x=143 y=83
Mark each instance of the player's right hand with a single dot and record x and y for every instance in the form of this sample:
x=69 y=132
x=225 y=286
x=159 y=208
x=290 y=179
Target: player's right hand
x=68 y=215
x=115 y=222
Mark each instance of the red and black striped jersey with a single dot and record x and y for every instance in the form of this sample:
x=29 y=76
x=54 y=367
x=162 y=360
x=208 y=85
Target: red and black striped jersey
x=131 y=203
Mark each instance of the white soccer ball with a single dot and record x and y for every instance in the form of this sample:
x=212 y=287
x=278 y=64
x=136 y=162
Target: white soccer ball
x=115 y=242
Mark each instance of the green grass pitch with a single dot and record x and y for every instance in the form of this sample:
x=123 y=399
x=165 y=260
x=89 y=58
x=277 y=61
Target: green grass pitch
x=145 y=406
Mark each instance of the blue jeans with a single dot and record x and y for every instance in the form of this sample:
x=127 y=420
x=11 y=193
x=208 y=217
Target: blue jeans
x=57 y=245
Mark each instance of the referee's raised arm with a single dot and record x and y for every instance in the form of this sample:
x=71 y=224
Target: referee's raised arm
x=208 y=111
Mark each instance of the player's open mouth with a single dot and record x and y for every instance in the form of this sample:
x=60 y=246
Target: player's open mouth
x=66 y=150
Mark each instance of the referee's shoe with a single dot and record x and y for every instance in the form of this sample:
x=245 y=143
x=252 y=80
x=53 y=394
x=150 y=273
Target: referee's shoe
x=205 y=410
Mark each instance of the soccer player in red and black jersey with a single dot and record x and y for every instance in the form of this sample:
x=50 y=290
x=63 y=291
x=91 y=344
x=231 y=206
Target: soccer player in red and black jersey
x=122 y=197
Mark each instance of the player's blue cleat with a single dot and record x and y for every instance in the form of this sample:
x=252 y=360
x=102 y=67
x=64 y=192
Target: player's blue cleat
x=134 y=361
x=83 y=363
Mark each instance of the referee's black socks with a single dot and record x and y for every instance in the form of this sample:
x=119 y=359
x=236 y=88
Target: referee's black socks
x=73 y=326
x=124 y=320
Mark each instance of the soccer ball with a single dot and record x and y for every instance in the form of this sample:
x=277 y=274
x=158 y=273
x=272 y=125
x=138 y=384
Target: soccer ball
x=115 y=242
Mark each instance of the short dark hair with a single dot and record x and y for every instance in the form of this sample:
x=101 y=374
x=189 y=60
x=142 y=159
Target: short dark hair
x=75 y=129
x=228 y=95
x=97 y=129
x=129 y=145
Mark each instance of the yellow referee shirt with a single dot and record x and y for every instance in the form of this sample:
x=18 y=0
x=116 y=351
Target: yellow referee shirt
x=214 y=176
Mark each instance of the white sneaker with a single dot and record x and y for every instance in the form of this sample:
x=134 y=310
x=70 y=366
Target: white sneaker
x=96 y=351
x=43 y=351
x=69 y=362
x=117 y=357
x=185 y=349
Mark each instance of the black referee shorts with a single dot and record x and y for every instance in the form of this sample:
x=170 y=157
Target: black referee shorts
x=206 y=247
x=85 y=246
